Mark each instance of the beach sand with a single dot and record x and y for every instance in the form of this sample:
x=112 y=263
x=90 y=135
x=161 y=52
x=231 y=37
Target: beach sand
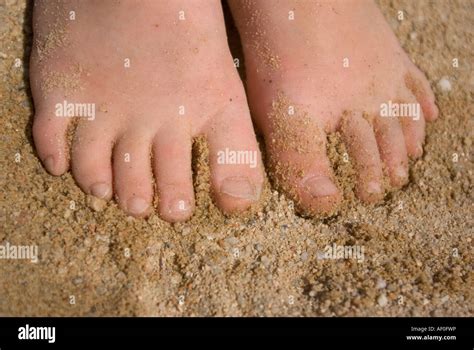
x=95 y=261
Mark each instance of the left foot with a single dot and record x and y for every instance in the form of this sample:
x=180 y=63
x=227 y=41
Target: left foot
x=314 y=68
x=152 y=79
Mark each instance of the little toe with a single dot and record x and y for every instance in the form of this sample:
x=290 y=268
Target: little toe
x=417 y=83
x=49 y=134
x=413 y=128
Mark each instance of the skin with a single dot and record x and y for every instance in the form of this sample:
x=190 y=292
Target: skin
x=303 y=60
x=139 y=142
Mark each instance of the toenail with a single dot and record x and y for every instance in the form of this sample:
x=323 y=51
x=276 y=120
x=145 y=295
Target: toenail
x=239 y=187
x=137 y=205
x=179 y=206
x=401 y=172
x=100 y=190
x=374 y=187
x=419 y=150
x=49 y=163
x=320 y=186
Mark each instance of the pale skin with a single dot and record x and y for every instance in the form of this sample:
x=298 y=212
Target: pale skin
x=177 y=63
x=335 y=58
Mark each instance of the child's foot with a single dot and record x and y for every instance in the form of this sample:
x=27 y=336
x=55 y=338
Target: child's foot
x=316 y=67
x=142 y=78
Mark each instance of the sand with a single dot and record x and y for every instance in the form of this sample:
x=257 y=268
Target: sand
x=94 y=260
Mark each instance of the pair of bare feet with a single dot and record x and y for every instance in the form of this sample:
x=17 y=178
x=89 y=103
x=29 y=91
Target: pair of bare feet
x=142 y=78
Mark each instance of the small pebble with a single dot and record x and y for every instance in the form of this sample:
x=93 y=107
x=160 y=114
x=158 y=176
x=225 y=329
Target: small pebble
x=265 y=260
x=101 y=290
x=444 y=299
x=96 y=204
x=444 y=84
x=77 y=281
x=382 y=300
x=176 y=279
x=232 y=240
x=381 y=284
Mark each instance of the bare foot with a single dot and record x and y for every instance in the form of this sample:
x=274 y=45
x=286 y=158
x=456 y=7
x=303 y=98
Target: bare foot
x=141 y=79
x=317 y=67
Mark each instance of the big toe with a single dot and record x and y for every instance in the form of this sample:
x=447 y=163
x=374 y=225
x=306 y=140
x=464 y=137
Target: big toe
x=235 y=161
x=301 y=168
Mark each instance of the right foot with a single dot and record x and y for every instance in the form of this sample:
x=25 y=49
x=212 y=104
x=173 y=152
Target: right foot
x=156 y=81
x=314 y=67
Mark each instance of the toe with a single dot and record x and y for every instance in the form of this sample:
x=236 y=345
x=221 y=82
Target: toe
x=91 y=159
x=305 y=174
x=421 y=89
x=49 y=134
x=413 y=128
x=235 y=161
x=391 y=144
x=172 y=168
x=362 y=148
x=133 y=180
